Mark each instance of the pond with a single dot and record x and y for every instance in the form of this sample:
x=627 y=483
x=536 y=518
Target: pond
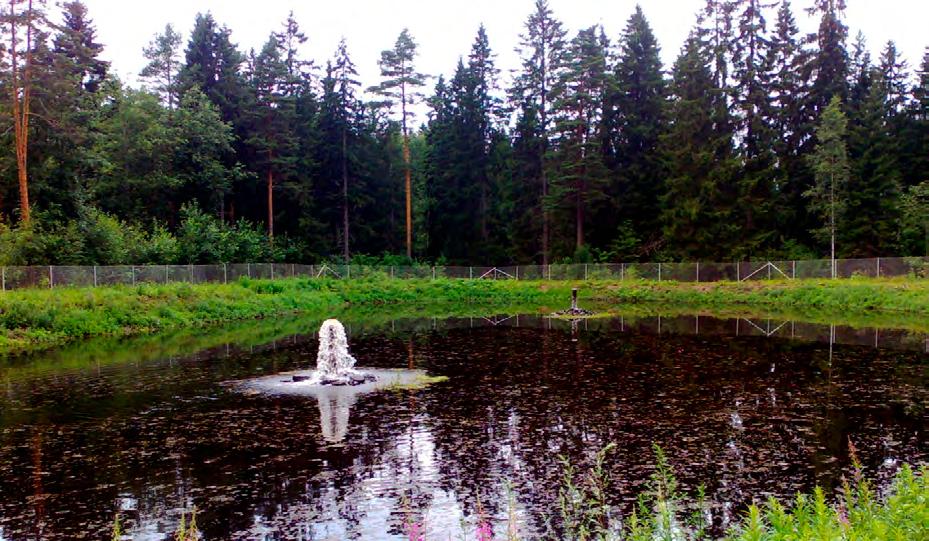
x=147 y=427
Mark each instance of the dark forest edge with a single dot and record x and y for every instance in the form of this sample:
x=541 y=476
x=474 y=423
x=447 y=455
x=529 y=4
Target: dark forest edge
x=595 y=151
x=40 y=318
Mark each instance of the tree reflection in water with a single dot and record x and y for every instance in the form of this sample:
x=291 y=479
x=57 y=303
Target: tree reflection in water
x=747 y=416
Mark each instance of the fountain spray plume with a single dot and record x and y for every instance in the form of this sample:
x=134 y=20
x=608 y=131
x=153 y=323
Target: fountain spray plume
x=334 y=364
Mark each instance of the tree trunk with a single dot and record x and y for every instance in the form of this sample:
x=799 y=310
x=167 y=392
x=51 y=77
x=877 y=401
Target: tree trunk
x=579 y=241
x=270 y=205
x=407 y=174
x=345 y=248
x=21 y=105
x=409 y=196
x=484 y=232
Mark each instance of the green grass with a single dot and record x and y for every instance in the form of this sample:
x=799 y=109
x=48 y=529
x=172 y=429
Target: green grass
x=39 y=318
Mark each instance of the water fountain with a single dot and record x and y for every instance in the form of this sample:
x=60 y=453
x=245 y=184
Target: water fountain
x=335 y=383
x=334 y=364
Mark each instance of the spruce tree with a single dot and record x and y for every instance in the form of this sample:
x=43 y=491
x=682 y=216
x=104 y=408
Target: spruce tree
x=753 y=106
x=791 y=121
x=76 y=44
x=828 y=66
x=871 y=204
x=636 y=119
x=213 y=64
x=697 y=206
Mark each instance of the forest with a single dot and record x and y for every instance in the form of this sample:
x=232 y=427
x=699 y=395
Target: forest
x=758 y=142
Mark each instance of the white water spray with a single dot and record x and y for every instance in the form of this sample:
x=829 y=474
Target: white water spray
x=334 y=364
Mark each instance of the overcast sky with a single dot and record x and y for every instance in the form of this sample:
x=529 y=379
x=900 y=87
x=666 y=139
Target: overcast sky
x=444 y=30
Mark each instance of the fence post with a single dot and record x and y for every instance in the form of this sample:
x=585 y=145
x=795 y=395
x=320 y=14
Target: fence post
x=769 y=270
x=166 y=274
x=659 y=273
x=3 y=277
x=549 y=272
x=585 y=271
x=51 y=277
x=132 y=271
x=95 y=276
x=793 y=269
x=190 y=272
x=698 y=272
x=293 y=270
x=470 y=273
x=878 y=267
x=272 y=271
x=517 y=272
x=738 y=271
x=622 y=272
x=248 y=270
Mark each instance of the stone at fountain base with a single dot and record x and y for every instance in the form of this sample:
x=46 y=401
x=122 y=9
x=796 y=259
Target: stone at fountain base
x=349 y=380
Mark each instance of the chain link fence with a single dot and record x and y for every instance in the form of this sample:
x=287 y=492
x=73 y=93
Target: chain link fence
x=88 y=276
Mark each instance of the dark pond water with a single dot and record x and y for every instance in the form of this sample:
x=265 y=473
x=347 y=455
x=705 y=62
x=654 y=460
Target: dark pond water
x=147 y=427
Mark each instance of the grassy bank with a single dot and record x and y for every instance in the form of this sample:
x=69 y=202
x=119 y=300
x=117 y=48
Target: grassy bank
x=852 y=296
x=31 y=319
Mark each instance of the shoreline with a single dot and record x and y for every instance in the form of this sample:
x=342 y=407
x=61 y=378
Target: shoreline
x=38 y=319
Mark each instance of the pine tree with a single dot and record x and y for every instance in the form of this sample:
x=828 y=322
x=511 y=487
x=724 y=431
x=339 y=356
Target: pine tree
x=163 y=55
x=541 y=49
x=272 y=122
x=401 y=83
x=23 y=24
x=830 y=164
x=637 y=117
x=580 y=177
x=345 y=76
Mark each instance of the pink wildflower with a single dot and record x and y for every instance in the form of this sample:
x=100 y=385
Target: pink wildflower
x=416 y=532
x=484 y=532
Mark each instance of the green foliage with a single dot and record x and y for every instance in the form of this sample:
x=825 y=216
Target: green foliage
x=595 y=146
x=660 y=512
x=830 y=163
x=583 y=503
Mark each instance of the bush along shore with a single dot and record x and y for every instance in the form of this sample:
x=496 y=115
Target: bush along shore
x=32 y=319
